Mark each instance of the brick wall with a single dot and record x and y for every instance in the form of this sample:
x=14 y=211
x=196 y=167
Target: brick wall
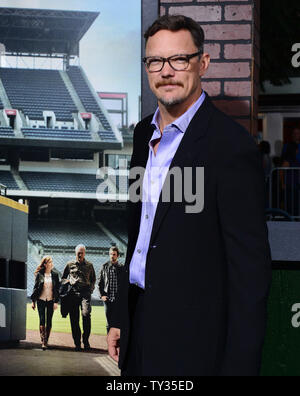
x=232 y=39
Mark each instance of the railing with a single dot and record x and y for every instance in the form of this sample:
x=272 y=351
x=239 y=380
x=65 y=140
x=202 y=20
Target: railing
x=283 y=187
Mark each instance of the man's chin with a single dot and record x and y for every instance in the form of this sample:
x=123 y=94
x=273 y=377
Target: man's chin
x=171 y=101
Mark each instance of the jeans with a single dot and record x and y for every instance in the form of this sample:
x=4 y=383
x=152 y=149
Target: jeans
x=45 y=309
x=108 y=309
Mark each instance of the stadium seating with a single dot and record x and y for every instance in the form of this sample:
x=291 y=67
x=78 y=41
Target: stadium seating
x=48 y=133
x=116 y=222
x=106 y=136
x=68 y=234
x=64 y=182
x=6 y=132
x=88 y=100
x=34 y=91
x=8 y=180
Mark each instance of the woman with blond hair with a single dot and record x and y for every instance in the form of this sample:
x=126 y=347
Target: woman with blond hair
x=45 y=295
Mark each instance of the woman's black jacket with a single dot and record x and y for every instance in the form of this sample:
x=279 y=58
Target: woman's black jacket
x=39 y=284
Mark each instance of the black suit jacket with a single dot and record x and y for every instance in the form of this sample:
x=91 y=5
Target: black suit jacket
x=207 y=274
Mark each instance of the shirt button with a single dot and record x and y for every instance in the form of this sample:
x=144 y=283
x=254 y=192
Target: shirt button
x=139 y=251
x=147 y=217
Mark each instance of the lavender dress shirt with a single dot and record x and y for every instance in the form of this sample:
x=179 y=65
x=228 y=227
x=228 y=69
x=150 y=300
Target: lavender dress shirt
x=156 y=170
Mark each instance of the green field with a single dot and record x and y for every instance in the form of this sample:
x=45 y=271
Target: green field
x=62 y=325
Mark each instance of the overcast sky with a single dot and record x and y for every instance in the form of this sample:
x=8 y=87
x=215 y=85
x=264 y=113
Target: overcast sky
x=110 y=52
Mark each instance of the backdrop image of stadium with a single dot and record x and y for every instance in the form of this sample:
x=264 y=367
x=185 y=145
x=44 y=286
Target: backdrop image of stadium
x=70 y=90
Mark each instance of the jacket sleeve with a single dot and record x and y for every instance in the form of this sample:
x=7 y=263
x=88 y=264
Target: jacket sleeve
x=101 y=283
x=66 y=272
x=92 y=279
x=35 y=292
x=57 y=288
x=241 y=203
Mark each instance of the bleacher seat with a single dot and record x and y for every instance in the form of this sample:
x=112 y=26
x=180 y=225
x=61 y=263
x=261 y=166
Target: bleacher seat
x=34 y=91
x=8 y=180
x=6 y=132
x=106 y=136
x=116 y=222
x=64 y=182
x=49 y=133
x=88 y=100
x=68 y=234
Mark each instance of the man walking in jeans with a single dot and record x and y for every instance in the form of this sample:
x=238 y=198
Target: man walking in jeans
x=109 y=280
x=81 y=275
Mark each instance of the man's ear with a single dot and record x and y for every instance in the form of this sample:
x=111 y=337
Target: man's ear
x=204 y=64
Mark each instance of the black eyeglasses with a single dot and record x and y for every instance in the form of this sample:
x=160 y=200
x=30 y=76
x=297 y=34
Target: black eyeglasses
x=177 y=62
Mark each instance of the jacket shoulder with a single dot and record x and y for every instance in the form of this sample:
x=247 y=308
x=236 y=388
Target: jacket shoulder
x=89 y=264
x=104 y=266
x=144 y=122
x=229 y=132
x=139 y=130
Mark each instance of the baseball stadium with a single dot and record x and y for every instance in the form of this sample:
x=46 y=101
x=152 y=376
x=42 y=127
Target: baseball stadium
x=56 y=136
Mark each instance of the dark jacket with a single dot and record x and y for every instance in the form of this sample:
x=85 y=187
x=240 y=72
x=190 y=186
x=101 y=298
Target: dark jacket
x=39 y=284
x=82 y=276
x=103 y=277
x=207 y=274
x=66 y=298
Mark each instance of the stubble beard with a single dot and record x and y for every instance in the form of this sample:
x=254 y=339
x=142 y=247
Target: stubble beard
x=169 y=103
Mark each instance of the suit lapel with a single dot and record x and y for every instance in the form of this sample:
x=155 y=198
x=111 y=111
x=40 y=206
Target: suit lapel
x=184 y=155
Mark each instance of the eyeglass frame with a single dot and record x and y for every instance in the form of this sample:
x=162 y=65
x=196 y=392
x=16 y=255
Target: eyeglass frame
x=164 y=60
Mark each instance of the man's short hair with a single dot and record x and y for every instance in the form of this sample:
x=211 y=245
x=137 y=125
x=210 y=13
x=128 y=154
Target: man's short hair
x=115 y=249
x=174 y=23
x=79 y=247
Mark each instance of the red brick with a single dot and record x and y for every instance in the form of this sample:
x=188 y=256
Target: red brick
x=199 y=13
x=213 y=50
x=237 y=88
x=227 y=32
x=228 y=70
x=238 y=51
x=238 y=13
x=234 y=107
x=212 y=88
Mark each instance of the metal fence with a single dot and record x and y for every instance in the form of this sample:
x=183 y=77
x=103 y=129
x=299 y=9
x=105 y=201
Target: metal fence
x=283 y=189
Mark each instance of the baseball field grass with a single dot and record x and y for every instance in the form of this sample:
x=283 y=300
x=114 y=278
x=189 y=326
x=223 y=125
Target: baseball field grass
x=62 y=325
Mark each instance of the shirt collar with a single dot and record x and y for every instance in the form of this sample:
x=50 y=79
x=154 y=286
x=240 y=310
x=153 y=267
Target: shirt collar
x=184 y=120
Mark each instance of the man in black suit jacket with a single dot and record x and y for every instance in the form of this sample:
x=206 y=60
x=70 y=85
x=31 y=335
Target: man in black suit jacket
x=199 y=303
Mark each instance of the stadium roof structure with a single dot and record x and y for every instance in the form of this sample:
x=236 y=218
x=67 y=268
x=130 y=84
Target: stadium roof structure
x=53 y=33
